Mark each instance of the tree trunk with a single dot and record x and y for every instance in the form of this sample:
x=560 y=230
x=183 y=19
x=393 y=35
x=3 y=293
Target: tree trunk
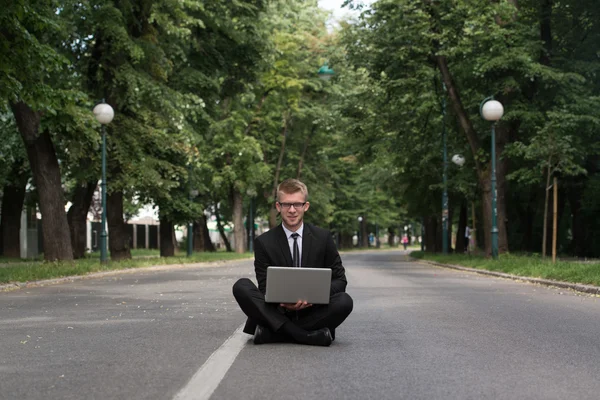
x=432 y=244
x=503 y=134
x=198 y=232
x=459 y=110
x=364 y=233
x=47 y=178
x=12 y=207
x=167 y=242
x=273 y=210
x=546 y=216
x=256 y=119
x=391 y=237
x=450 y=219
x=118 y=236
x=273 y=216
x=346 y=241
x=239 y=232
x=202 y=240
x=304 y=151
x=527 y=219
x=222 y=230
x=486 y=207
x=77 y=216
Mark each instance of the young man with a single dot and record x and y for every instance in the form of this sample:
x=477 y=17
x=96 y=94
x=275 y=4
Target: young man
x=301 y=322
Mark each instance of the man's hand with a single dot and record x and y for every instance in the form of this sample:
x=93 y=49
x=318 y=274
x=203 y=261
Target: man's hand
x=300 y=305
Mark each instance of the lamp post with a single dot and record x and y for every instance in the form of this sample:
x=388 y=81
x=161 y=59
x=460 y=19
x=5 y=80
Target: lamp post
x=104 y=114
x=190 y=229
x=422 y=234
x=459 y=161
x=492 y=110
x=251 y=193
x=325 y=72
x=360 y=219
x=251 y=226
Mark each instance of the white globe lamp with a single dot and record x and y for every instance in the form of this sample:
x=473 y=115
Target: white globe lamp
x=492 y=110
x=458 y=160
x=104 y=113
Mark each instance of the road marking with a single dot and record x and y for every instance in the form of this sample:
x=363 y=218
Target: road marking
x=206 y=380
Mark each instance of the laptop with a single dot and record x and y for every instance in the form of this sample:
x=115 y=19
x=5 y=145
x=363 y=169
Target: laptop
x=288 y=285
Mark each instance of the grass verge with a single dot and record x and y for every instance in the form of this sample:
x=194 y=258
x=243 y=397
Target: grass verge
x=36 y=270
x=587 y=273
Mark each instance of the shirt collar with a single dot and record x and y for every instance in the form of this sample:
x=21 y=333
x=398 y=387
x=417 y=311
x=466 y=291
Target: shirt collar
x=288 y=232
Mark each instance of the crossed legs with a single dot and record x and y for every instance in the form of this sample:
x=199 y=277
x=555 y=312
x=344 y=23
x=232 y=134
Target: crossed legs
x=252 y=302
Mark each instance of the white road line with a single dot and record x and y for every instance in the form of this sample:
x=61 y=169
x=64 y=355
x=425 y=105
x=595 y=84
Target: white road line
x=206 y=380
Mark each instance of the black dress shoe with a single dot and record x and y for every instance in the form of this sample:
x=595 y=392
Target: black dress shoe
x=264 y=335
x=261 y=335
x=320 y=337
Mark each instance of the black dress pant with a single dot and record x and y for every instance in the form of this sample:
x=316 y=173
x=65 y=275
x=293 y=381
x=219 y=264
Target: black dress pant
x=270 y=315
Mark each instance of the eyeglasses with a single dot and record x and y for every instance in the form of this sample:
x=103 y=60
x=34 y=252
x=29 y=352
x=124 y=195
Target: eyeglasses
x=286 y=206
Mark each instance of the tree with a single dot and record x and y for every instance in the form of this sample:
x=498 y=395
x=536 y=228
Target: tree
x=32 y=65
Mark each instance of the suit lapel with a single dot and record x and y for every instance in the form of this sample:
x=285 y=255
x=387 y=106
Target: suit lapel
x=284 y=246
x=307 y=238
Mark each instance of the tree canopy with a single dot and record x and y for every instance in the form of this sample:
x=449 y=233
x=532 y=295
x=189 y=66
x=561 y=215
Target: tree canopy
x=216 y=102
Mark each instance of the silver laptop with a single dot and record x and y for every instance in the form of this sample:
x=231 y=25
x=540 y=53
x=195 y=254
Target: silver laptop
x=288 y=285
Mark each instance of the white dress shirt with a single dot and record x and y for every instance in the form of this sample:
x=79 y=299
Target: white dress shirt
x=288 y=234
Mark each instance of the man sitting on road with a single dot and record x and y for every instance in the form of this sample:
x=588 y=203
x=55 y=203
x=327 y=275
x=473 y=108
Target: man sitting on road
x=301 y=322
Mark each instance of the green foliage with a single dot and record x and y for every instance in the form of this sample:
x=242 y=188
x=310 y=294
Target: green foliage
x=208 y=96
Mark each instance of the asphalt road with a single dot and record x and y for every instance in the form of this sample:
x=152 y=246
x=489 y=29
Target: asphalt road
x=416 y=332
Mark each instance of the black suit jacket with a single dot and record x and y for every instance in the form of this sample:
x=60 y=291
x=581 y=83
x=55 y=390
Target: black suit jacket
x=318 y=251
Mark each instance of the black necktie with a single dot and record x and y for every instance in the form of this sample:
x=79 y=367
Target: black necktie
x=296 y=252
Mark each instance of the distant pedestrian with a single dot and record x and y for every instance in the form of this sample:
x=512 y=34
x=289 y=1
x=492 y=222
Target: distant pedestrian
x=467 y=238
x=405 y=241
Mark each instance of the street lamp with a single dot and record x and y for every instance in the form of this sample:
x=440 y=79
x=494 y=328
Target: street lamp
x=422 y=234
x=360 y=219
x=104 y=114
x=458 y=160
x=190 y=229
x=492 y=110
x=251 y=193
x=325 y=72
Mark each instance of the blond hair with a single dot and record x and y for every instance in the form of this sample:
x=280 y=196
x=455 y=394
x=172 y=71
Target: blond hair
x=291 y=186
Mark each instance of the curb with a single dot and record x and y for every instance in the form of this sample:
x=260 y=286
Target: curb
x=5 y=287
x=589 y=289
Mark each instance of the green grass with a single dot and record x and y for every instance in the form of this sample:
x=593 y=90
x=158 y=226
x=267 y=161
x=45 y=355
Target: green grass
x=527 y=266
x=25 y=271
